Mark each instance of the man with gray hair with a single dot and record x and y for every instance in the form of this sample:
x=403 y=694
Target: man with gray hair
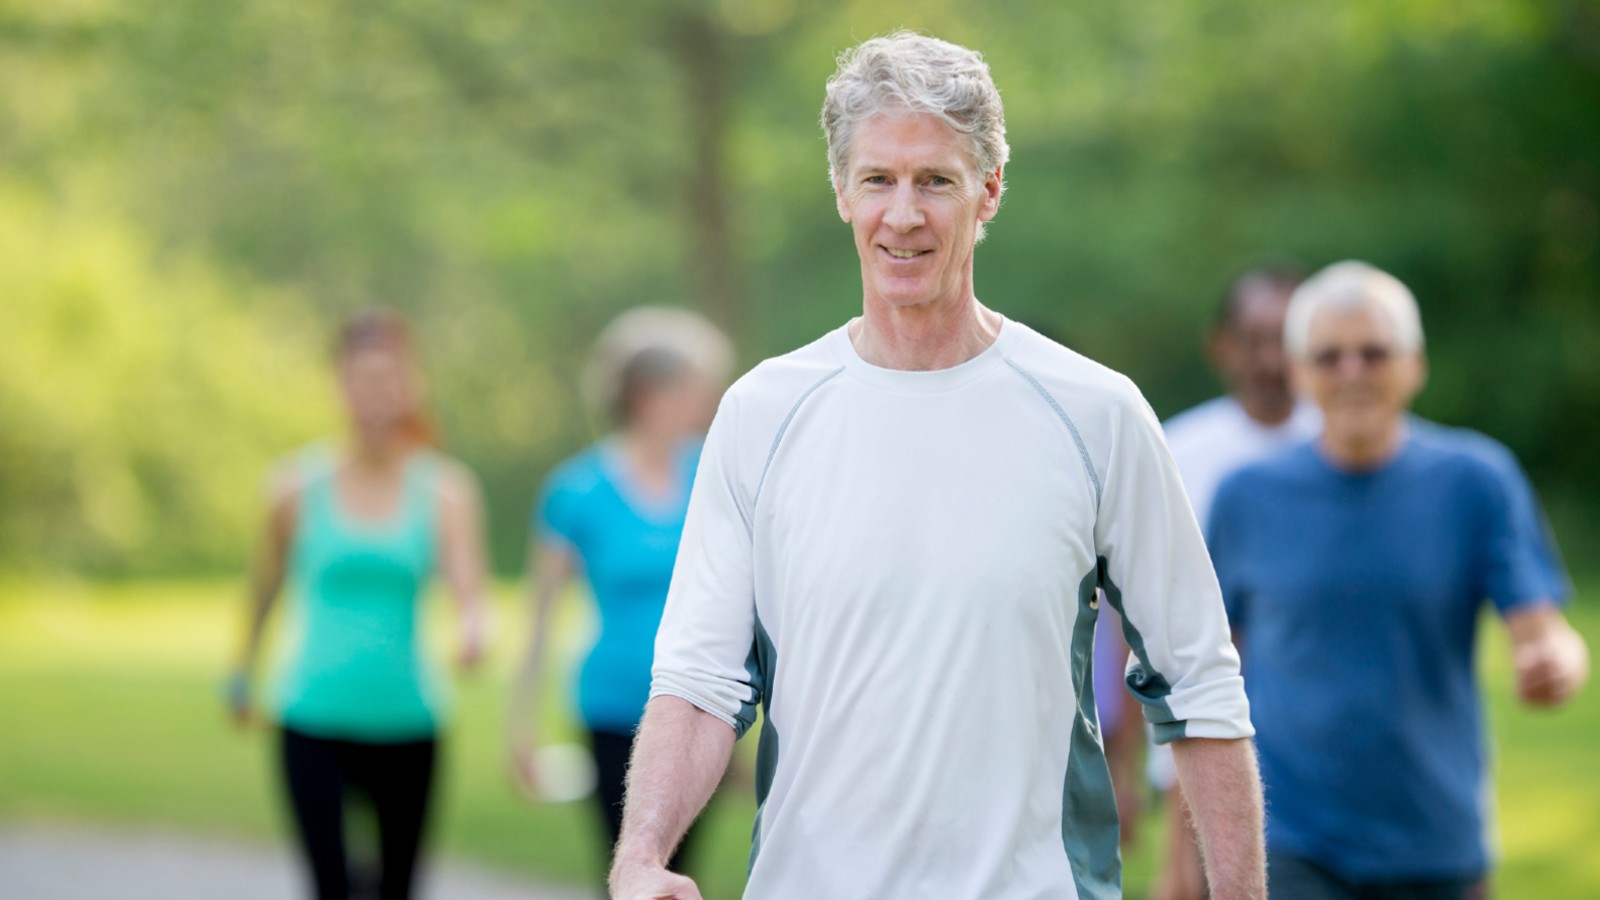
x=896 y=547
x=1355 y=568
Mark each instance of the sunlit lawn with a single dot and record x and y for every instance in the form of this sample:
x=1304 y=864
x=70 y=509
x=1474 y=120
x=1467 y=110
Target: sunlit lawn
x=110 y=714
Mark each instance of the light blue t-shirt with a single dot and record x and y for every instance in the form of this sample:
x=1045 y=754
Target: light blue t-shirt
x=627 y=543
x=1357 y=595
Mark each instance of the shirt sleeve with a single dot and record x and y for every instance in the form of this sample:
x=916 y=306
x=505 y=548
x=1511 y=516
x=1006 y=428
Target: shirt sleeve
x=1223 y=542
x=1155 y=571
x=705 y=649
x=1520 y=561
x=556 y=517
x=1523 y=561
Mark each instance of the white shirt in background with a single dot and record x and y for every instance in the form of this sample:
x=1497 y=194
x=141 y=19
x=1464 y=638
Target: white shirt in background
x=1217 y=438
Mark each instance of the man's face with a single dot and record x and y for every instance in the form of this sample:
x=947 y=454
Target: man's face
x=914 y=199
x=1355 y=371
x=1248 y=351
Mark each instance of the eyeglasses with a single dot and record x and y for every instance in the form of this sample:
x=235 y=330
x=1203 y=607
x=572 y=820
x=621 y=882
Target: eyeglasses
x=1370 y=355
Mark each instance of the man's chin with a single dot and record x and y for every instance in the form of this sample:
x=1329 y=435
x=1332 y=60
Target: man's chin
x=906 y=299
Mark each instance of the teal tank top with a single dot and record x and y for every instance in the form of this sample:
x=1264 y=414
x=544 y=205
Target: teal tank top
x=355 y=666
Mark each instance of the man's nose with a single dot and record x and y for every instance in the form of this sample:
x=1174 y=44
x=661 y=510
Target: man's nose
x=1351 y=367
x=905 y=212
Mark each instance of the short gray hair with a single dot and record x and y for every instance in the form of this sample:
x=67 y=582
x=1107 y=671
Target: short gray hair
x=911 y=71
x=1352 y=285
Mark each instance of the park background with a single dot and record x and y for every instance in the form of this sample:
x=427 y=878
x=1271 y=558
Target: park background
x=192 y=193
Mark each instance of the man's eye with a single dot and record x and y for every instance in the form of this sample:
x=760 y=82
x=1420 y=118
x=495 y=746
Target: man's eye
x=939 y=181
x=877 y=179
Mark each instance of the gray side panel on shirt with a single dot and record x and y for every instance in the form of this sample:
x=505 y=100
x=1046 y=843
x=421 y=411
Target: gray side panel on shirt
x=1089 y=827
x=762 y=665
x=1149 y=686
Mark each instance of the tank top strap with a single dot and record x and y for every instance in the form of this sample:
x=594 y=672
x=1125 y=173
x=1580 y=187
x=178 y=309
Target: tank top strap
x=422 y=490
x=316 y=466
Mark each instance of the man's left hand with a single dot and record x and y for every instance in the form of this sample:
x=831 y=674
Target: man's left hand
x=1551 y=659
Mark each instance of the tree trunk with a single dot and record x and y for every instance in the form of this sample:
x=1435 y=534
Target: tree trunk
x=702 y=48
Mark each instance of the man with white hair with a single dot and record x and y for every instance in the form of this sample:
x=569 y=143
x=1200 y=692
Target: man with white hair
x=896 y=546
x=1354 y=569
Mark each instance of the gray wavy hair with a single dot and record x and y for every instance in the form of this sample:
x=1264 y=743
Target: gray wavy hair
x=911 y=71
x=1352 y=285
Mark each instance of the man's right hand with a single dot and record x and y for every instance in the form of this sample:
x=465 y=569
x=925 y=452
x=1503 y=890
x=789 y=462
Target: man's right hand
x=649 y=881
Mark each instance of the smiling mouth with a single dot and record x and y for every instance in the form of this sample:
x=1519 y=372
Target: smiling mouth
x=904 y=254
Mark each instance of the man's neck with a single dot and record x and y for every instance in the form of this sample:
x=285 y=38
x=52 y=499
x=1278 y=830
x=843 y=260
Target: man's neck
x=1362 y=454
x=1267 y=415
x=924 y=338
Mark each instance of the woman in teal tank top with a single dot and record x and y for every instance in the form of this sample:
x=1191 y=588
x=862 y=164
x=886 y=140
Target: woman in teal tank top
x=358 y=534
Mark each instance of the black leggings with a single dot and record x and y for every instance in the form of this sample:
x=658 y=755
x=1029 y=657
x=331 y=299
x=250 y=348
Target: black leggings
x=397 y=780
x=611 y=751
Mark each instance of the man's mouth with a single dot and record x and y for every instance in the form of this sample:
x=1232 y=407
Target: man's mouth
x=897 y=253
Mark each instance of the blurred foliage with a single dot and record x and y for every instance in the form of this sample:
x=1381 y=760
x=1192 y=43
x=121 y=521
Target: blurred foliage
x=195 y=191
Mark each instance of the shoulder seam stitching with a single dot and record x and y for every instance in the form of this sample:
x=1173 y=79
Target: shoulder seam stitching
x=777 y=439
x=1083 y=450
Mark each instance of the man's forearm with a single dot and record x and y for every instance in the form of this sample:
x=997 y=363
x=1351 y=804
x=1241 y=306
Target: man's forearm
x=1223 y=789
x=678 y=760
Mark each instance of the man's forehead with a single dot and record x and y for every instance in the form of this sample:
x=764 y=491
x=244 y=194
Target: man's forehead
x=898 y=137
x=1261 y=302
x=1364 y=319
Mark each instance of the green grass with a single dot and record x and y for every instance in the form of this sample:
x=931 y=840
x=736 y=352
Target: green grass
x=110 y=714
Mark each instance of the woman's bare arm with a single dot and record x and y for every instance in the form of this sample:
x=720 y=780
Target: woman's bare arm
x=266 y=582
x=551 y=567
x=463 y=562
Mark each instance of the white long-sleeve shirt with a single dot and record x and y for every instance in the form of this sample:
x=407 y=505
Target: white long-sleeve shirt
x=901 y=567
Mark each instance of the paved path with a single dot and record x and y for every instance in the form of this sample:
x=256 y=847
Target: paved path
x=57 y=863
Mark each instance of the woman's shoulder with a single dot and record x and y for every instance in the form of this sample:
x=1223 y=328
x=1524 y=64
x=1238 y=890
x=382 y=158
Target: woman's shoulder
x=289 y=475
x=582 y=472
x=452 y=480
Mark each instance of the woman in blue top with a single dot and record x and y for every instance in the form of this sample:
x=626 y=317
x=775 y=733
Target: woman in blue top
x=615 y=513
x=358 y=532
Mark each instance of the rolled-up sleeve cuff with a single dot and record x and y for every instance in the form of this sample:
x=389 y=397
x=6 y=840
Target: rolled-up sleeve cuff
x=1216 y=709
x=715 y=696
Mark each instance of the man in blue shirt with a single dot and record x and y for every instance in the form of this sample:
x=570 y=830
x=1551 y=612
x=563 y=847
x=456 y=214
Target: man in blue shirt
x=1354 y=569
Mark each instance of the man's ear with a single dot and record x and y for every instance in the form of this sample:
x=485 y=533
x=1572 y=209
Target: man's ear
x=1217 y=341
x=838 y=197
x=993 y=185
x=1422 y=373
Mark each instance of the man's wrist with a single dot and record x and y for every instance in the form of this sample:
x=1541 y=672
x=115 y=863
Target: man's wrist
x=631 y=856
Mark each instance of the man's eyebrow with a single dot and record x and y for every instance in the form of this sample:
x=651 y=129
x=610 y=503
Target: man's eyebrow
x=874 y=168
